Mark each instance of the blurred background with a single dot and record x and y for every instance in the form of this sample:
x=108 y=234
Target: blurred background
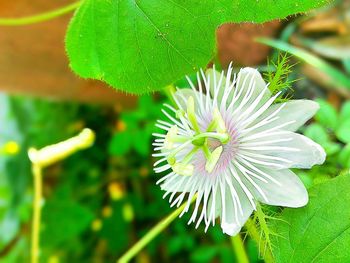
x=100 y=201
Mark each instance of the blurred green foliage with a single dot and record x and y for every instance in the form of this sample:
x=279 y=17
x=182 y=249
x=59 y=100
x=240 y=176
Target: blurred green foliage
x=99 y=201
x=331 y=130
x=135 y=128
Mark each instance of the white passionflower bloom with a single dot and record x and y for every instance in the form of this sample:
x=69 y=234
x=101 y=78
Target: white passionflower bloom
x=230 y=144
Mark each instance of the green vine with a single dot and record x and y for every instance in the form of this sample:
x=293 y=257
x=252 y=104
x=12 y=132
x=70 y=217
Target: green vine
x=40 y=17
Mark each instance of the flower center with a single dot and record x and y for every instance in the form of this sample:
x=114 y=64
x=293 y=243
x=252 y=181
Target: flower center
x=209 y=143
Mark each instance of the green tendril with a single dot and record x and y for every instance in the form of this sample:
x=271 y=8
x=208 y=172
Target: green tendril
x=40 y=17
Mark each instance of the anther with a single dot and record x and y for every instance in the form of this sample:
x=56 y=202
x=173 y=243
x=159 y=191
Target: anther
x=213 y=159
x=192 y=115
x=170 y=138
x=183 y=169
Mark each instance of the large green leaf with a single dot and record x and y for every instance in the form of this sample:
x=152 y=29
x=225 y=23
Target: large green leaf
x=144 y=45
x=319 y=232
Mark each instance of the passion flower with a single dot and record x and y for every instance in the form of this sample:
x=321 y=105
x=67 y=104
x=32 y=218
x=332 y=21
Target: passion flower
x=229 y=142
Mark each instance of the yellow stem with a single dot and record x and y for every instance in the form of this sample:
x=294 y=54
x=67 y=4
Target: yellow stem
x=150 y=235
x=239 y=250
x=37 y=174
x=254 y=233
x=41 y=159
x=40 y=17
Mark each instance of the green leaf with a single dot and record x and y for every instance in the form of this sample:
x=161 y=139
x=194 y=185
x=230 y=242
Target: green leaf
x=345 y=112
x=143 y=142
x=327 y=115
x=319 y=232
x=344 y=156
x=331 y=148
x=144 y=45
x=317 y=133
x=120 y=143
x=305 y=178
x=343 y=128
x=204 y=254
x=343 y=131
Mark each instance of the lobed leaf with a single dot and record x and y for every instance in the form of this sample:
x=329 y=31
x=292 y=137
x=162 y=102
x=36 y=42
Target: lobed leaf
x=319 y=232
x=144 y=45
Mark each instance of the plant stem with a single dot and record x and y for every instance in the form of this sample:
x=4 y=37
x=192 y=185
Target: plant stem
x=255 y=235
x=41 y=159
x=37 y=174
x=40 y=17
x=136 y=248
x=239 y=250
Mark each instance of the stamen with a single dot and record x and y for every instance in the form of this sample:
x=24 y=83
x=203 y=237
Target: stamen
x=213 y=159
x=180 y=114
x=223 y=138
x=183 y=169
x=189 y=156
x=192 y=115
x=169 y=138
x=220 y=124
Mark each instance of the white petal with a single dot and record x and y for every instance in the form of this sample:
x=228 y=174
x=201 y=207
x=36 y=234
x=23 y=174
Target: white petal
x=299 y=111
x=233 y=219
x=214 y=204
x=290 y=192
x=181 y=97
x=177 y=183
x=287 y=150
x=217 y=83
x=244 y=77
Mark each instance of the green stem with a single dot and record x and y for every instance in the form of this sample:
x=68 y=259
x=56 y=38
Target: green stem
x=222 y=137
x=136 y=248
x=255 y=235
x=40 y=17
x=238 y=248
x=35 y=243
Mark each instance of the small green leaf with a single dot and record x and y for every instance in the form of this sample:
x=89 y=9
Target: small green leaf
x=120 y=143
x=317 y=133
x=327 y=115
x=144 y=45
x=305 y=178
x=344 y=156
x=345 y=112
x=331 y=148
x=142 y=144
x=204 y=254
x=343 y=131
x=320 y=231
